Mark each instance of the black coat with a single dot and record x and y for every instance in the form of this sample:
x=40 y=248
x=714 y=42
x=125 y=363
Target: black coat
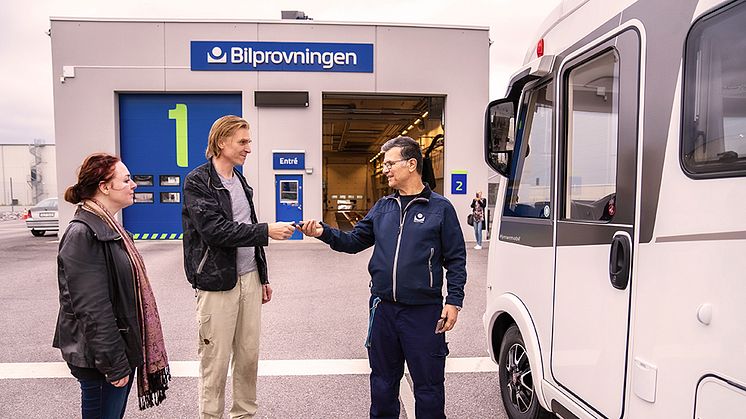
x=210 y=234
x=482 y=203
x=97 y=325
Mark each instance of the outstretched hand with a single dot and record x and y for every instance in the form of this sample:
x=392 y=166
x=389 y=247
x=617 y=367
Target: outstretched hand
x=280 y=231
x=310 y=228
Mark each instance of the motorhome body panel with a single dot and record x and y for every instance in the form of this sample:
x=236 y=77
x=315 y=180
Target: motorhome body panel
x=695 y=264
x=689 y=234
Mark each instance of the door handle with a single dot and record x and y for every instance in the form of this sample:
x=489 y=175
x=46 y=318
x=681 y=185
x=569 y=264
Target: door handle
x=620 y=261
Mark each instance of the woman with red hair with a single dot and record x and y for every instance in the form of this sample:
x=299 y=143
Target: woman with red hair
x=108 y=323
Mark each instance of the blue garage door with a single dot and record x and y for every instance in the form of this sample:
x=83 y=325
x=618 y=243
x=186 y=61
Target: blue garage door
x=162 y=138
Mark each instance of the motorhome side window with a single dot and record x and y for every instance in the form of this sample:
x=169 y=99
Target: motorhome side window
x=592 y=90
x=714 y=119
x=529 y=190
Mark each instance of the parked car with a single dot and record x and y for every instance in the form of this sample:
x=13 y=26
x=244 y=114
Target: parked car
x=43 y=217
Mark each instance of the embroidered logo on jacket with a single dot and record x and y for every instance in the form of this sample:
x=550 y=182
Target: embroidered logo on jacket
x=419 y=218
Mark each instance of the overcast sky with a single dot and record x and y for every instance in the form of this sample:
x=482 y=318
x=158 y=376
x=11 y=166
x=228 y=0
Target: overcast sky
x=26 y=110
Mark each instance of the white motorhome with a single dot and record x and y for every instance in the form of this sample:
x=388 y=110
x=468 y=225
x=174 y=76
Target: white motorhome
x=617 y=279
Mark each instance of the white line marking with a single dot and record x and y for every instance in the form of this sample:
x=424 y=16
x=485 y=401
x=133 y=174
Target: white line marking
x=267 y=368
x=406 y=396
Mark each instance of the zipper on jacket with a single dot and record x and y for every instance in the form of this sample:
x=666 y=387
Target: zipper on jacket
x=402 y=214
x=202 y=262
x=126 y=330
x=430 y=265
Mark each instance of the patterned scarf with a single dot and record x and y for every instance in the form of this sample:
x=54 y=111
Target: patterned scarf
x=152 y=383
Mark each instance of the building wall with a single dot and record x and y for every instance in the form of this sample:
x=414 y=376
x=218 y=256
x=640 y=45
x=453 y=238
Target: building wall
x=16 y=162
x=154 y=56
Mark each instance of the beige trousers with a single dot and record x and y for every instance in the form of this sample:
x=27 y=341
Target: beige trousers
x=229 y=321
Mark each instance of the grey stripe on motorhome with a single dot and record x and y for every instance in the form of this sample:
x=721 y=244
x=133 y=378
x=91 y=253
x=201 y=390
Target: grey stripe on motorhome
x=662 y=23
x=532 y=232
x=726 y=235
x=577 y=234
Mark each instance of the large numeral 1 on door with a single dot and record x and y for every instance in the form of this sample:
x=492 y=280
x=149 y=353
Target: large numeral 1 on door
x=179 y=113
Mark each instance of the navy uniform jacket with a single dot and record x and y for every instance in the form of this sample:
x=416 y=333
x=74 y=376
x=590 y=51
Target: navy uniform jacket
x=412 y=247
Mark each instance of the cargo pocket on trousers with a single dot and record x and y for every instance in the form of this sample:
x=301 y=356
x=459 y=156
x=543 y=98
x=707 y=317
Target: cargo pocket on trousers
x=441 y=352
x=206 y=344
x=436 y=374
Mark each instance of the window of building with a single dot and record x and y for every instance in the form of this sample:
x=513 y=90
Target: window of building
x=289 y=191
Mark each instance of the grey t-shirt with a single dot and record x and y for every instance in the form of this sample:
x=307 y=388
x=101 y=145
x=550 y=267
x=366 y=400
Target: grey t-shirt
x=245 y=260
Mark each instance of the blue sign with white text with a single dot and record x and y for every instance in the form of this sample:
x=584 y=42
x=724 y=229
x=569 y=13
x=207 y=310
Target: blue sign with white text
x=458 y=183
x=281 y=56
x=288 y=161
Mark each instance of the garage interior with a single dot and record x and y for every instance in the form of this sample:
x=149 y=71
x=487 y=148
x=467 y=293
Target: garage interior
x=354 y=128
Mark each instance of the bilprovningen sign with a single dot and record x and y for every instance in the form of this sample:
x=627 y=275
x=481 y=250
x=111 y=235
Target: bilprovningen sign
x=281 y=56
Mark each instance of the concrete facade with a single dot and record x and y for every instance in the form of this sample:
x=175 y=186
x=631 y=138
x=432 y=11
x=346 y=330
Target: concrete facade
x=106 y=58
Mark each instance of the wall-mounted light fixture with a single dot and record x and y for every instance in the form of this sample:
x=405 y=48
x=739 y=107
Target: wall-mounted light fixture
x=68 y=72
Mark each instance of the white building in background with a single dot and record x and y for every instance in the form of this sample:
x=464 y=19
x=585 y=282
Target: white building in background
x=321 y=99
x=28 y=173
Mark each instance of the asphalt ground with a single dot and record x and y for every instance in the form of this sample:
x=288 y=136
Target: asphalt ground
x=316 y=320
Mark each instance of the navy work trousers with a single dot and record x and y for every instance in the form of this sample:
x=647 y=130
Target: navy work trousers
x=399 y=333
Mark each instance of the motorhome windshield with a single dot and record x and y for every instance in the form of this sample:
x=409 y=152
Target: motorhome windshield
x=529 y=189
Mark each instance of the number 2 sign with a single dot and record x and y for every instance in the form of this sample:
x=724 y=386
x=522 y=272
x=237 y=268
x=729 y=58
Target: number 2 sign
x=458 y=182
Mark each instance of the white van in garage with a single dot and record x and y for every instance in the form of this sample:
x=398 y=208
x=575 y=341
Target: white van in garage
x=617 y=270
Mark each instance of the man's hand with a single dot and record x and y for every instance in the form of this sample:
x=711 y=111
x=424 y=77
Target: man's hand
x=266 y=293
x=121 y=382
x=280 y=231
x=449 y=315
x=310 y=228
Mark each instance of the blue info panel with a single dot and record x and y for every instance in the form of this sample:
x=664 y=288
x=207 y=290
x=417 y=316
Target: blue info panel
x=288 y=161
x=162 y=138
x=458 y=182
x=281 y=56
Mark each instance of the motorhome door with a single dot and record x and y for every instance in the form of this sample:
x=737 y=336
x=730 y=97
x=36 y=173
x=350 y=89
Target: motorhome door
x=595 y=229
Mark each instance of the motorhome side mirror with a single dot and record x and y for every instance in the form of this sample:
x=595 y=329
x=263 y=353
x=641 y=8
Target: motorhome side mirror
x=499 y=135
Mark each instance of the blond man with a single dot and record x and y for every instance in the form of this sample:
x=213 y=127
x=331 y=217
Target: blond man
x=225 y=263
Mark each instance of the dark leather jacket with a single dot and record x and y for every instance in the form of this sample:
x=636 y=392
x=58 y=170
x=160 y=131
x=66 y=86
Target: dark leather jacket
x=210 y=234
x=97 y=326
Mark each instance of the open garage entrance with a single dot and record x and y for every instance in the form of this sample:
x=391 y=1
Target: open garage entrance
x=354 y=128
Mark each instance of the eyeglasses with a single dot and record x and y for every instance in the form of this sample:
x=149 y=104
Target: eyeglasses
x=387 y=165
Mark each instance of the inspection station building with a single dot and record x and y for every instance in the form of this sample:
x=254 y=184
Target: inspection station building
x=320 y=97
